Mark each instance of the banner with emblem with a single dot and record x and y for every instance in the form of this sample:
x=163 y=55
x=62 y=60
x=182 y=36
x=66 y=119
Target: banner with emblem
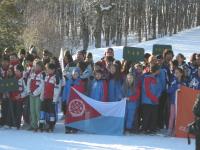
x=134 y=54
x=8 y=85
x=89 y=115
x=158 y=48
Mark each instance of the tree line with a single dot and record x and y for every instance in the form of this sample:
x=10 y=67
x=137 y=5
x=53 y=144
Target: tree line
x=76 y=24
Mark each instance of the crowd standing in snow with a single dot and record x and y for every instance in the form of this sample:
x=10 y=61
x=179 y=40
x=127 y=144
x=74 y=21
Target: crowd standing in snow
x=149 y=87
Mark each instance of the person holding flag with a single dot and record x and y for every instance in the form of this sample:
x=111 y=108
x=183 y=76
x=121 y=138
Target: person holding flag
x=76 y=83
x=131 y=93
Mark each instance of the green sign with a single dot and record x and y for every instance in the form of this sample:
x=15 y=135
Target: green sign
x=134 y=54
x=158 y=49
x=8 y=85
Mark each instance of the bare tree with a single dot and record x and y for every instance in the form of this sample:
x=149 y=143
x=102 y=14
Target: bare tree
x=51 y=23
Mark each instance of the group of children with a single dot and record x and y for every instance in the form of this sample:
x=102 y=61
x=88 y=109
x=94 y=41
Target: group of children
x=36 y=96
x=149 y=87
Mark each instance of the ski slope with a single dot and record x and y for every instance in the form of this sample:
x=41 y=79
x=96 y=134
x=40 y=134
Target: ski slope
x=185 y=42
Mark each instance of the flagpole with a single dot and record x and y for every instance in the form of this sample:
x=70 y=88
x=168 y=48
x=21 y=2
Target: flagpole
x=61 y=59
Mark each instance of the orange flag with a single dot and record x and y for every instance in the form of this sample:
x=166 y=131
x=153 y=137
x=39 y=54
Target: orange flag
x=185 y=101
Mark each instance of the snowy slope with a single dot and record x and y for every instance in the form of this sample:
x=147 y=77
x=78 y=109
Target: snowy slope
x=12 y=139
x=186 y=42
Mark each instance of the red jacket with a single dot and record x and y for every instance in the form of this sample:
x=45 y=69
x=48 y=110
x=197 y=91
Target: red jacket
x=21 y=93
x=35 y=83
x=137 y=94
x=51 y=90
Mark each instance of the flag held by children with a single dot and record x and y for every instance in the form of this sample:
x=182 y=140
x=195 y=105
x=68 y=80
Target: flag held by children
x=89 y=115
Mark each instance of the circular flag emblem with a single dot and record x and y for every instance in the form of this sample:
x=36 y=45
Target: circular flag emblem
x=76 y=108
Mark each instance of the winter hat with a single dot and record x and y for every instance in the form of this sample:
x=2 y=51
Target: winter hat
x=76 y=70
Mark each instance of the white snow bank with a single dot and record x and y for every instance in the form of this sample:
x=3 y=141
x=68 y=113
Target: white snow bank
x=12 y=139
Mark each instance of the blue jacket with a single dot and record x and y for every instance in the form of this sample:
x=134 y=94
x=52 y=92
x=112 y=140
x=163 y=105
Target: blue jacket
x=186 y=68
x=99 y=90
x=194 y=82
x=162 y=79
x=174 y=86
x=151 y=90
x=192 y=69
x=114 y=90
x=167 y=70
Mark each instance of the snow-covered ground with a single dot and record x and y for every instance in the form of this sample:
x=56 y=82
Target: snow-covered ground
x=12 y=139
x=186 y=42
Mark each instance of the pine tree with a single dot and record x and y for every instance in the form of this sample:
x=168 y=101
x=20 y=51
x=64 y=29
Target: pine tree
x=10 y=24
